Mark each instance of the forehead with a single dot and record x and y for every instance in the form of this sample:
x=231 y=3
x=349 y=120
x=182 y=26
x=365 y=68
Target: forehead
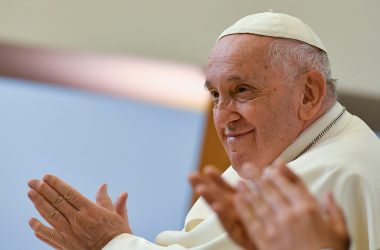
x=239 y=55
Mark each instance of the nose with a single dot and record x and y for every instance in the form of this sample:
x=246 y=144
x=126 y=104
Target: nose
x=225 y=113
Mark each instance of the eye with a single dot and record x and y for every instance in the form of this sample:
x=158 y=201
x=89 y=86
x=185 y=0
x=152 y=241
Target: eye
x=243 y=93
x=214 y=95
x=242 y=88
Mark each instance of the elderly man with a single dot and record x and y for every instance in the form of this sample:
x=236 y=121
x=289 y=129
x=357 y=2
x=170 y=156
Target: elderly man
x=269 y=78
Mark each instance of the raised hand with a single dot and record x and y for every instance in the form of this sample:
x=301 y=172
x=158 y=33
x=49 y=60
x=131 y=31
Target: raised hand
x=120 y=205
x=77 y=223
x=219 y=195
x=278 y=212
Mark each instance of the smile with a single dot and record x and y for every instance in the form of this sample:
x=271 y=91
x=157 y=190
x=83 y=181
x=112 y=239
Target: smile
x=236 y=135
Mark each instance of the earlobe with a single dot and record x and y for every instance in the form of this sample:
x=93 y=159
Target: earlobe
x=314 y=91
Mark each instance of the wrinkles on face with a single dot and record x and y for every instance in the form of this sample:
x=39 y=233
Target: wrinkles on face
x=254 y=110
x=239 y=89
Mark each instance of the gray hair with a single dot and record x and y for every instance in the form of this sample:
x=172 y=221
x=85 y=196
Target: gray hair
x=295 y=58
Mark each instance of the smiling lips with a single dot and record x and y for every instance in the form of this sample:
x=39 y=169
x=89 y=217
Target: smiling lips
x=234 y=135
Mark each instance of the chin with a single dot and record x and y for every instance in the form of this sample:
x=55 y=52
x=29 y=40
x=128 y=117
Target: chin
x=238 y=160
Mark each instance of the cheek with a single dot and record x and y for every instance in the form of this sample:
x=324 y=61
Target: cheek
x=216 y=119
x=217 y=124
x=252 y=113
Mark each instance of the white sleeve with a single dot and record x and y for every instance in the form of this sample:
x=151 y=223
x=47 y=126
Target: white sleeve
x=129 y=241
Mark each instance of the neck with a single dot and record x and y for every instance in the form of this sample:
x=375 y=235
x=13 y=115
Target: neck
x=325 y=106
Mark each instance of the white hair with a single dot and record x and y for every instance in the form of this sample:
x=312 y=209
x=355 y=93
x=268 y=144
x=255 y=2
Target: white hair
x=295 y=58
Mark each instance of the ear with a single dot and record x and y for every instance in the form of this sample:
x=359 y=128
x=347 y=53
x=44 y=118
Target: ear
x=314 y=91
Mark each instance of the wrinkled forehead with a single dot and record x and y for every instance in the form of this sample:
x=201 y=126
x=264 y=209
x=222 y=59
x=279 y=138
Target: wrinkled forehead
x=241 y=46
x=243 y=55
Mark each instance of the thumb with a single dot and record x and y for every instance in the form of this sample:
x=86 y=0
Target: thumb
x=121 y=207
x=102 y=198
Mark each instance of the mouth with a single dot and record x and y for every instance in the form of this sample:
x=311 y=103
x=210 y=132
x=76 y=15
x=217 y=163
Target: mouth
x=234 y=135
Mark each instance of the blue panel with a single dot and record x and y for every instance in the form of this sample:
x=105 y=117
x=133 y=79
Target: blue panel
x=88 y=139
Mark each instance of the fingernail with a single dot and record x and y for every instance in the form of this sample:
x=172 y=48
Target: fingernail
x=33 y=183
x=31 y=194
x=33 y=223
x=47 y=177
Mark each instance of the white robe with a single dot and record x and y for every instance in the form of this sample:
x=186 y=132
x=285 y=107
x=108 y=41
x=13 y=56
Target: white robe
x=345 y=161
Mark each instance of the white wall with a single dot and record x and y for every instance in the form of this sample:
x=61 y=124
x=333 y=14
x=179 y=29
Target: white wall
x=186 y=30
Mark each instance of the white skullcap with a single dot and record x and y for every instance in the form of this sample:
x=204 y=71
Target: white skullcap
x=275 y=25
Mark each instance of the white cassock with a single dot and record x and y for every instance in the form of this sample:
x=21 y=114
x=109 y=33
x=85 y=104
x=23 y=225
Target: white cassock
x=345 y=159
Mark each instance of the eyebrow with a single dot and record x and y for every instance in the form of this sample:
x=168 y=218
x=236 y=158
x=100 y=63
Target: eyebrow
x=233 y=78
x=236 y=78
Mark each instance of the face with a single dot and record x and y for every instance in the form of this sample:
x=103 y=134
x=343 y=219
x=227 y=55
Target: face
x=255 y=110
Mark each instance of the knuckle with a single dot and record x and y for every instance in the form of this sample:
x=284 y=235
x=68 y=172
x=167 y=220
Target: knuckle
x=54 y=216
x=308 y=209
x=41 y=187
x=73 y=218
x=52 y=235
x=70 y=194
x=58 y=201
x=38 y=202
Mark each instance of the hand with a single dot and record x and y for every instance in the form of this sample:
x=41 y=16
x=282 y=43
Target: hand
x=77 y=222
x=103 y=200
x=219 y=195
x=278 y=212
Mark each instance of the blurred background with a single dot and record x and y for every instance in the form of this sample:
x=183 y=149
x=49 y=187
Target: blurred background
x=112 y=91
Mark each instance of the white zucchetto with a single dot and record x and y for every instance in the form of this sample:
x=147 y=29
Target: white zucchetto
x=275 y=25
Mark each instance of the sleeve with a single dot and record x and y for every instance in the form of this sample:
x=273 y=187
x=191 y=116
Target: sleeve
x=128 y=241
x=131 y=242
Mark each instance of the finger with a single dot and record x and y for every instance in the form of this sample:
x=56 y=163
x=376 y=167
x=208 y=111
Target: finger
x=256 y=201
x=103 y=199
x=121 y=207
x=208 y=188
x=226 y=215
x=53 y=245
x=250 y=220
x=76 y=199
x=272 y=194
x=209 y=192
x=232 y=224
x=48 y=212
x=49 y=235
x=52 y=197
x=195 y=179
x=285 y=171
x=290 y=185
x=215 y=176
x=250 y=171
x=197 y=182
